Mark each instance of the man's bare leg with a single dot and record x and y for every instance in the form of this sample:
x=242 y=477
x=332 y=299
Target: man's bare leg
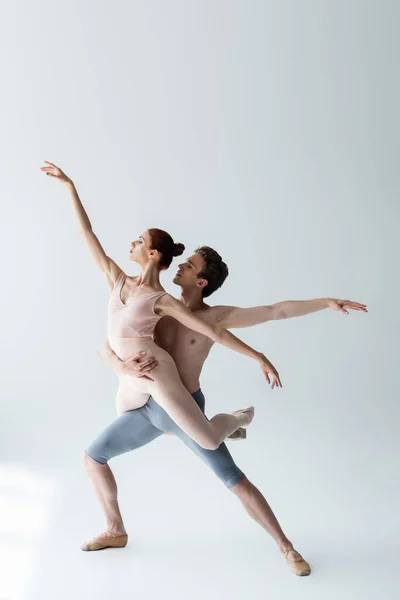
x=105 y=486
x=259 y=509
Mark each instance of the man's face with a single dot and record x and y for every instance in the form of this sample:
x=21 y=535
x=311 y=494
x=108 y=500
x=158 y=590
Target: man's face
x=187 y=275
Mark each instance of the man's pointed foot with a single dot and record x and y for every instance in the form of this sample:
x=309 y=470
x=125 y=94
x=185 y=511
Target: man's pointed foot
x=296 y=563
x=106 y=540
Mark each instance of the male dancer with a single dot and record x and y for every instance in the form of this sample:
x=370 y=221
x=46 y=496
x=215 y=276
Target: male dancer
x=199 y=276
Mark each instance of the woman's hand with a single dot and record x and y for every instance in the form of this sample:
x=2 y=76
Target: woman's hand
x=270 y=372
x=54 y=171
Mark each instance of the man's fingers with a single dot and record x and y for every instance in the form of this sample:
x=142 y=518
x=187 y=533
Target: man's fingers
x=137 y=356
x=149 y=361
x=357 y=304
x=277 y=380
x=148 y=365
x=354 y=305
x=147 y=369
x=357 y=307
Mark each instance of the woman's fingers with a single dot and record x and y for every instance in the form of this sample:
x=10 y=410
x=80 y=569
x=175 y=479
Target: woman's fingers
x=49 y=171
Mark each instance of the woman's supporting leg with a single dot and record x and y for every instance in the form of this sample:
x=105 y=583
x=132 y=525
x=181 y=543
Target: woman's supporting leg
x=130 y=431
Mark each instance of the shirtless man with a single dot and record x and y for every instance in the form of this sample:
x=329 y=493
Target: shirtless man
x=199 y=276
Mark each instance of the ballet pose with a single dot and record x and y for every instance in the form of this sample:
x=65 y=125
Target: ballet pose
x=198 y=277
x=136 y=304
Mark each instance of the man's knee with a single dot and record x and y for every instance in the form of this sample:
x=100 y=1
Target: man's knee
x=241 y=486
x=90 y=463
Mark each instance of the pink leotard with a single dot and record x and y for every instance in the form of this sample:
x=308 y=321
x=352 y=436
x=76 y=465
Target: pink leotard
x=136 y=318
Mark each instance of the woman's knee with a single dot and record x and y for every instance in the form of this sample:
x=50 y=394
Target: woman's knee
x=211 y=444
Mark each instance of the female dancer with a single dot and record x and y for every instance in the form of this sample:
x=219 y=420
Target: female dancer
x=136 y=304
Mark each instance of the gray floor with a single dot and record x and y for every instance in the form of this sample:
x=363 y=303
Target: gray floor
x=190 y=537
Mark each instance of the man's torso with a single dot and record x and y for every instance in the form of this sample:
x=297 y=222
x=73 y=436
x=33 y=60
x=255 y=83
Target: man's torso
x=188 y=348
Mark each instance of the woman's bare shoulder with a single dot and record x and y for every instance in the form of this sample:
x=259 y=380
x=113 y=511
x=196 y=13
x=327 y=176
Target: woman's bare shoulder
x=113 y=277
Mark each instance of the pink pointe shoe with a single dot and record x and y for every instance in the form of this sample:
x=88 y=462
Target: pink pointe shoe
x=241 y=433
x=245 y=411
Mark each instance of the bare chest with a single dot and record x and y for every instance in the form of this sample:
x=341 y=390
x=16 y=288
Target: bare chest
x=180 y=341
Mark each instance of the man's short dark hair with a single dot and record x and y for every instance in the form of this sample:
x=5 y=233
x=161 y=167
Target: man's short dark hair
x=215 y=271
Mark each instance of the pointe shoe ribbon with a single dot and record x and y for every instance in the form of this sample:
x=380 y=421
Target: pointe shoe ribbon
x=100 y=543
x=297 y=563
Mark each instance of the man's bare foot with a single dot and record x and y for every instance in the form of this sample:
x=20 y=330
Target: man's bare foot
x=296 y=562
x=108 y=539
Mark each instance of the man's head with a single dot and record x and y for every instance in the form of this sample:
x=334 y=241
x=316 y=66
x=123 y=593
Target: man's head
x=204 y=270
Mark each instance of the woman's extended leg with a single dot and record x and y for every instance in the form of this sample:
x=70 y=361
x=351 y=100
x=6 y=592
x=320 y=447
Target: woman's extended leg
x=169 y=392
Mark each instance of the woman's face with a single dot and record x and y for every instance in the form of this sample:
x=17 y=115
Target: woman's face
x=140 y=250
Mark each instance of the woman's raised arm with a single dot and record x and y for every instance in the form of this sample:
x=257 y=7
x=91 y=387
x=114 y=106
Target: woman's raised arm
x=104 y=262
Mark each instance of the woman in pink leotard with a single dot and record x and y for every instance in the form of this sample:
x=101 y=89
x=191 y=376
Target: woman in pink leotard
x=136 y=304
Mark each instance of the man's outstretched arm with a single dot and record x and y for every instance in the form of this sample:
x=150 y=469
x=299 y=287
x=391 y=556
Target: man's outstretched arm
x=236 y=317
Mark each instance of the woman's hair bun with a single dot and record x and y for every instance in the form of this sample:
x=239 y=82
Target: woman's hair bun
x=178 y=249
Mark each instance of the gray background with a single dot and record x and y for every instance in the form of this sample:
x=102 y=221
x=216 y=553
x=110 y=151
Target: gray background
x=268 y=130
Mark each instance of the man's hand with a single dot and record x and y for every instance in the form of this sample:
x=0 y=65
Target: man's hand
x=341 y=305
x=135 y=366
x=132 y=366
x=270 y=372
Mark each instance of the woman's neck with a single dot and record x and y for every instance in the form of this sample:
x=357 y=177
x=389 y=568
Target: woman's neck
x=150 y=276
